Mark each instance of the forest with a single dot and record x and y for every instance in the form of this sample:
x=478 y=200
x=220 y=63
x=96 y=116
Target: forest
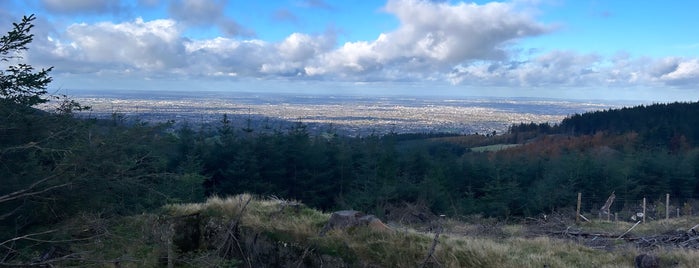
x=55 y=165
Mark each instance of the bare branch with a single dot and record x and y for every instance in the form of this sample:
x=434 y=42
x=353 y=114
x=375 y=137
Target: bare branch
x=27 y=236
x=29 y=190
x=36 y=144
x=8 y=214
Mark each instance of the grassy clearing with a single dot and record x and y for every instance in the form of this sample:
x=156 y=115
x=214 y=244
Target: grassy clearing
x=494 y=147
x=408 y=248
x=139 y=241
x=644 y=229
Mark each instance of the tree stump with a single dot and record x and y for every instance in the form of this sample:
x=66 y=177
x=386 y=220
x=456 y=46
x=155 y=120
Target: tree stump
x=646 y=261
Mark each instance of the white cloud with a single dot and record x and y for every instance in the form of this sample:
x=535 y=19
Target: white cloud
x=455 y=33
x=571 y=69
x=148 y=46
x=465 y=44
x=301 y=47
x=291 y=55
x=227 y=55
x=685 y=72
x=434 y=37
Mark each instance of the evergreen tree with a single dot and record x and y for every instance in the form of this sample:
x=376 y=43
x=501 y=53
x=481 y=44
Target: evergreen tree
x=20 y=83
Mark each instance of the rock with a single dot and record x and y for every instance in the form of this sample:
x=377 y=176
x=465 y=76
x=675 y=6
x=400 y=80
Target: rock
x=646 y=261
x=342 y=219
x=375 y=224
x=345 y=219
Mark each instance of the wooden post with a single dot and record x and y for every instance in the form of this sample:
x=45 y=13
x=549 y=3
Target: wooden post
x=678 y=212
x=644 y=210
x=606 y=209
x=667 y=206
x=615 y=217
x=577 y=213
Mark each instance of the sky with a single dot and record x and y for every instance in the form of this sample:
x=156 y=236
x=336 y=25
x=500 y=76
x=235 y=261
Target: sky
x=627 y=50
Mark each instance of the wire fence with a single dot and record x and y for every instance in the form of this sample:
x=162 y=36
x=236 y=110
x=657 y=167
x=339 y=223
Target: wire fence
x=616 y=208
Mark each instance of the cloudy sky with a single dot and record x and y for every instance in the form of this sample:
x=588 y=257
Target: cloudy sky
x=637 y=50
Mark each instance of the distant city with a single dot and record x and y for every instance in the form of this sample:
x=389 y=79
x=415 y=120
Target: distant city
x=344 y=114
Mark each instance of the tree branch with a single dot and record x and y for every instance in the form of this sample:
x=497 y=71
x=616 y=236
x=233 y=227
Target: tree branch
x=27 y=236
x=28 y=191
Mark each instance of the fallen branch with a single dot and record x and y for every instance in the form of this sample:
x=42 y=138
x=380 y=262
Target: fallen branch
x=27 y=237
x=629 y=230
x=583 y=234
x=692 y=229
x=583 y=217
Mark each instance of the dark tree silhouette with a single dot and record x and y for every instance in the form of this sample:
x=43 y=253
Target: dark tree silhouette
x=20 y=83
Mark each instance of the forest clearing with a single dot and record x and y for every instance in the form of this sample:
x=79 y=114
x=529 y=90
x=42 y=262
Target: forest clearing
x=243 y=231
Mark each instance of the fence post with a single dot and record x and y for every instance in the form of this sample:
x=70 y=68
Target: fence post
x=644 y=210
x=608 y=205
x=667 y=206
x=678 y=212
x=577 y=211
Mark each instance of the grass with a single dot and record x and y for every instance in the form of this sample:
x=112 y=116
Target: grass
x=408 y=248
x=494 y=147
x=140 y=240
x=644 y=229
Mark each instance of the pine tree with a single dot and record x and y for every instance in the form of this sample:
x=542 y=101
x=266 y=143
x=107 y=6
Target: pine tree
x=20 y=83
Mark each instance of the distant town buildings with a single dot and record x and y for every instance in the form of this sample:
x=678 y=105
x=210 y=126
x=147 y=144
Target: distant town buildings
x=352 y=116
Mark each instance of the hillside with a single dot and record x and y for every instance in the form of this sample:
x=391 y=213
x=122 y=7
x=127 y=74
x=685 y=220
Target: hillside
x=56 y=168
x=658 y=124
x=242 y=231
x=603 y=189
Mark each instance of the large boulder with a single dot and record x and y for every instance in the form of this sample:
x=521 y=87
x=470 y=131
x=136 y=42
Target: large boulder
x=345 y=219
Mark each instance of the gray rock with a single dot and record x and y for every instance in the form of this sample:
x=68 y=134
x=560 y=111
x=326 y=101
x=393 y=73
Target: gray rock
x=345 y=219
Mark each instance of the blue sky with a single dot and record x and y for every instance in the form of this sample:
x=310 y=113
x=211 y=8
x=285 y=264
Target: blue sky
x=638 y=50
